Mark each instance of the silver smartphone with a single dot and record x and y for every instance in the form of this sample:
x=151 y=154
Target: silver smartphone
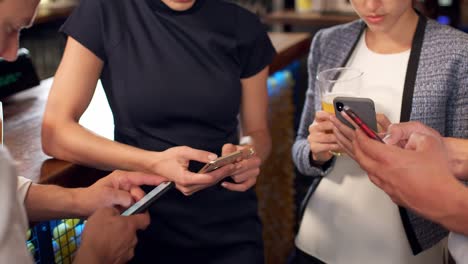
x=148 y=199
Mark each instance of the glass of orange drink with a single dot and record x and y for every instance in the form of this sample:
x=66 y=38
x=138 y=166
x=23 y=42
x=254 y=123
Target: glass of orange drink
x=334 y=82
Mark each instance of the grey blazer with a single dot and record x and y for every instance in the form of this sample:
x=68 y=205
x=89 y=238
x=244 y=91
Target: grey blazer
x=435 y=93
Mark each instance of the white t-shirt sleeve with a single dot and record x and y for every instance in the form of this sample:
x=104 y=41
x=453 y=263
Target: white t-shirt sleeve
x=23 y=187
x=458 y=247
x=13 y=222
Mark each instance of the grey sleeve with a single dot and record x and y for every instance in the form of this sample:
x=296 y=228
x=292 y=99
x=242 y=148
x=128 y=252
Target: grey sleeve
x=301 y=147
x=457 y=108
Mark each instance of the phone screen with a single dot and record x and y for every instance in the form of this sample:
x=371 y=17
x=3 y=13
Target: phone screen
x=148 y=199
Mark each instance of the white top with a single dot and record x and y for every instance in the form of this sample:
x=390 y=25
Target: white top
x=22 y=188
x=348 y=219
x=458 y=247
x=13 y=220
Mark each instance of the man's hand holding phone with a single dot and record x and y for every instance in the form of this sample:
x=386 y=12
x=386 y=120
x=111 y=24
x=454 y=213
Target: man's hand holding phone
x=246 y=169
x=119 y=189
x=109 y=237
x=415 y=176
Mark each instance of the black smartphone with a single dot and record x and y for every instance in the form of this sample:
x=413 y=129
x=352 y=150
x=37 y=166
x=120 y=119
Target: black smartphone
x=148 y=199
x=363 y=107
x=367 y=130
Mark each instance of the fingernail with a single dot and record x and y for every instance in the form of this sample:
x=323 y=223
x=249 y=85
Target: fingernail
x=212 y=156
x=387 y=138
x=238 y=166
x=223 y=184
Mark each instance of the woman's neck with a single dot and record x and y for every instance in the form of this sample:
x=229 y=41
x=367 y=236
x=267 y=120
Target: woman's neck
x=397 y=39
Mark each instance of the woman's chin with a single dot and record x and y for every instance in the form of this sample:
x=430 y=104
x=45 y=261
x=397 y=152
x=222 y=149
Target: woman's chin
x=179 y=5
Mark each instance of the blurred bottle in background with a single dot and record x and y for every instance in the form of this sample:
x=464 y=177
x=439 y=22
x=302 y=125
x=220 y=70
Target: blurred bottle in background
x=303 y=5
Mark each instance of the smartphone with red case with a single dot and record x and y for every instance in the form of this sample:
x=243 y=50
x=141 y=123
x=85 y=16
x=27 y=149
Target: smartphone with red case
x=363 y=107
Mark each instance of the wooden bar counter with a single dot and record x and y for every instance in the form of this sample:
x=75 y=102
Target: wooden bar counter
x=22 y=136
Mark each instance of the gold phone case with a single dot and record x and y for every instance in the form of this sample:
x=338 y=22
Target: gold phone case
x=227 y=159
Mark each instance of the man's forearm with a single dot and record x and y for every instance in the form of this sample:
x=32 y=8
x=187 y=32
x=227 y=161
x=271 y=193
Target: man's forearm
x=454 y=214
x=86 y=256
x=458 y=155
x=45 y=202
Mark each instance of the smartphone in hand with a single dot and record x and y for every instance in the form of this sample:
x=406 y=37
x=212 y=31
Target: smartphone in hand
x=148 y=199
x=363 y=107
x=356 y=119
x=227 y=159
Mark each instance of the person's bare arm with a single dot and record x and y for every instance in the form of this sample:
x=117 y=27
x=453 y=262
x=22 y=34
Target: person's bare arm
x=254 y=113
x=457 y=148
x=118 y=189
x=418 y=177
x=45 y=202
x=109 y=237
x=64 y=138
x=454 y=215
x=254 y=124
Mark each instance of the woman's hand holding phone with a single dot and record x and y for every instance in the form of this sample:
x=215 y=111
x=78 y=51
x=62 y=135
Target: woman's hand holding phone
x=321 y=139
x=173 y=163
x=245 y=171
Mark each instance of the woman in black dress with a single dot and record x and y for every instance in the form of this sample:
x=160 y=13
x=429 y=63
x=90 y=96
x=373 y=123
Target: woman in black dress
x=176 y=73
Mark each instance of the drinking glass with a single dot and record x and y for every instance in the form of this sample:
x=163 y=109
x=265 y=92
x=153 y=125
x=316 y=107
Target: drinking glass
x=344 y=81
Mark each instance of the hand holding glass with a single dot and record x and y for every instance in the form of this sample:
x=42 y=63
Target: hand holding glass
x=338 y=82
